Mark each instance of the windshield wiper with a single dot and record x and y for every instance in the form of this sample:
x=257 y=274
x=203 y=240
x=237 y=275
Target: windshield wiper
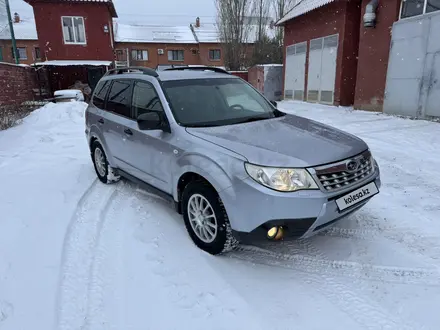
x=200 y=125
x=251 y=119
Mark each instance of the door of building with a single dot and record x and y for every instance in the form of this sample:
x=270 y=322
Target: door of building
x=295 y=71
x=322 y=69
x=433 y=101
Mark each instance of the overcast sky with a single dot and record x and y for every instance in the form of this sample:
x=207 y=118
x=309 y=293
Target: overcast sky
x=167 y=12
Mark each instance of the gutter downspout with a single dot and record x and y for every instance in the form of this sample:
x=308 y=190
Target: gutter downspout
x=370 y=13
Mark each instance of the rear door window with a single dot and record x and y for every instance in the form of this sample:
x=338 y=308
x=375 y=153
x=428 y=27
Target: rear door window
x=119 y=98
x=101 y=93
x=145 y=98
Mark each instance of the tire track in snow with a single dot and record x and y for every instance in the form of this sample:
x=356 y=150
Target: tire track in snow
x=411 y=242
x=321 y=275
x=77 y=256
x=366 y=306
x=319 y=264
x=104 y=294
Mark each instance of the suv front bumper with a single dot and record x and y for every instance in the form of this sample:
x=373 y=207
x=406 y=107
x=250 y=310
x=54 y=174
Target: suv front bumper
x=251 y=206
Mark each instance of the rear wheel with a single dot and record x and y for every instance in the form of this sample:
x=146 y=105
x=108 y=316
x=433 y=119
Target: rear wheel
x=104 y=171
x=206 y=219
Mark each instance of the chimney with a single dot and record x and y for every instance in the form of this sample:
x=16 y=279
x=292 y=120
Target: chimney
x=197 y=22
x=16 y=18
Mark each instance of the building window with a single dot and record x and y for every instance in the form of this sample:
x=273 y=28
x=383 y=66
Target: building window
x=175 y=55
x=1 y=54
x=139 y=55
x=412 y=8
x=214 y=55
x=37 y=53
x=21 y=53
x=73 y=30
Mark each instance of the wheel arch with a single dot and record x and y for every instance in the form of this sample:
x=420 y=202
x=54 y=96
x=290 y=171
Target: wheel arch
x=95 y=135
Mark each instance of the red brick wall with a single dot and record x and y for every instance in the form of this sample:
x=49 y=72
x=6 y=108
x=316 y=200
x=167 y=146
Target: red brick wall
x=350 y=53
x=155 y=59
x=242 y=74
x=335 y=18
x=374 y=49
x=17 y=83
x=30 y=45
x=96 y=15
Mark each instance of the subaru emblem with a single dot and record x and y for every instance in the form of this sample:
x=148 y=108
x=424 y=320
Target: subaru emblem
x=352 y=165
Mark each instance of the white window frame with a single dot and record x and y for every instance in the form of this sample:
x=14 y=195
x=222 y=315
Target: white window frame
x=176 y=50
x=425 y=5
x=18 y=51
x=143 y=52
x=74 y=32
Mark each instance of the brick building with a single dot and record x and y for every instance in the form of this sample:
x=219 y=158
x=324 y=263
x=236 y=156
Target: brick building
x=28 y=47
x=335 y=55
x=88 y=30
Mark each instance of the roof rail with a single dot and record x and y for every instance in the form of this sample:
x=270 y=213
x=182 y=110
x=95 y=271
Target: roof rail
x=134 y=69
x=198 y=68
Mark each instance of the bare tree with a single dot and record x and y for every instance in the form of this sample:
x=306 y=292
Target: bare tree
x=233 y=31
x=280 y=8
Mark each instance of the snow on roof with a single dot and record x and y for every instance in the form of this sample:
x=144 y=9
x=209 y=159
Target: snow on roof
x=302 y=7
x=208 y=33
x=74 y=62
x=25 y=30
x=153 y=33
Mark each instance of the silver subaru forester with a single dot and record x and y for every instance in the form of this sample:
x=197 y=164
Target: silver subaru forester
x=231 y=162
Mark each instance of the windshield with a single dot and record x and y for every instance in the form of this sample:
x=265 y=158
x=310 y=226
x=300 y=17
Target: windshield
x=215 y=102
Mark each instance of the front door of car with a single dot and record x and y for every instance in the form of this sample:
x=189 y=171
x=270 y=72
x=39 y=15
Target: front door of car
x=149 y=151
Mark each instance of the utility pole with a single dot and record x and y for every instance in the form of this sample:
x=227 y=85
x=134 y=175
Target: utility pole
x=11 y=27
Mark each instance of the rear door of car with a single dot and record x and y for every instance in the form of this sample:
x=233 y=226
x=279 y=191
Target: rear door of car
x=118 y=120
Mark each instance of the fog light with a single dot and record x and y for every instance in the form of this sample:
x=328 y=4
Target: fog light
x=275 y=233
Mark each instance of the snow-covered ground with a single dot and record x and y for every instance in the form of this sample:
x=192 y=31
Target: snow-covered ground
x=76 y=254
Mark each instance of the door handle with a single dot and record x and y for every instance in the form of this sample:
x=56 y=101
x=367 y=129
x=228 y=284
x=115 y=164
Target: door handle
x=101 y=121
x=128 y=131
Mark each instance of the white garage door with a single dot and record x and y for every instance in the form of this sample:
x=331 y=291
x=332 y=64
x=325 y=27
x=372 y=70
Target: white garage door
x=322 y=69
x=295 y=71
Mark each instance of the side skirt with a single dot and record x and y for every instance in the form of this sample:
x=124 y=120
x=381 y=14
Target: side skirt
x=150 y=189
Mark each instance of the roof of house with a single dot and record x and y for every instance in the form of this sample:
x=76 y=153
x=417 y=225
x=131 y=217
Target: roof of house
x=109 y=3
x=302 y=7
x=153 y=34
x=25 y=30
x=74 y=62
x=208 y=33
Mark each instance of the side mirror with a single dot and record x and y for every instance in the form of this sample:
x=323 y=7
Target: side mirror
x=149 y=121
x=274 y=103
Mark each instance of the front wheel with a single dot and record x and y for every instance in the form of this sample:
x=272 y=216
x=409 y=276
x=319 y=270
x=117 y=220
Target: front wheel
x=206 y=219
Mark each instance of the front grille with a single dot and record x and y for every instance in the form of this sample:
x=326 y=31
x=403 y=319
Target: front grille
x=344 y=174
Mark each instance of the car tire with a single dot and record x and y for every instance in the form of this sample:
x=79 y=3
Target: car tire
x=214 y=240
x=104 y=171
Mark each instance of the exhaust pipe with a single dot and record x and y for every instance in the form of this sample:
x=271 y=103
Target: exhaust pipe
x=275 y=233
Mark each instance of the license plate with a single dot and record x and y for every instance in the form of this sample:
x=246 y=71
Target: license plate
x=357 y=196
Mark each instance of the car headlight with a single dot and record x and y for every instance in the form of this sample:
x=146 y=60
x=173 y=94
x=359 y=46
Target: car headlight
x=281 y=179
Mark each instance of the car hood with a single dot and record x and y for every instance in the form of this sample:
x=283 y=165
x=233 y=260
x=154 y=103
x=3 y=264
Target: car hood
x=288 y=141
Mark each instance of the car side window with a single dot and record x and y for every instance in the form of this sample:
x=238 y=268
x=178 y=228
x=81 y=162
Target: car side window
x=118 y=100
x=145 y=98
x=101 y=93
